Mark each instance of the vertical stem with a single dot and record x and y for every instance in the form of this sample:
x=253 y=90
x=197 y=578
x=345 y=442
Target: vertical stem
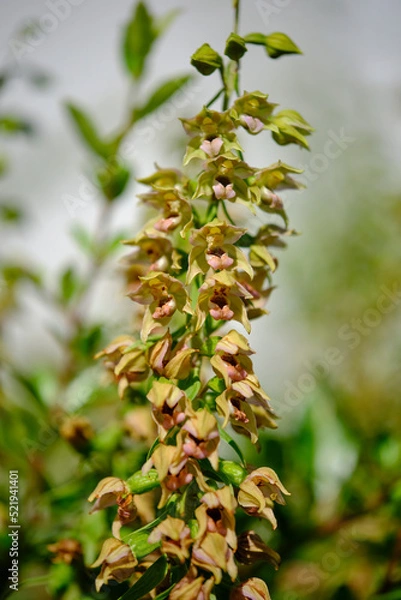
x=230 y=74
x=236 y=15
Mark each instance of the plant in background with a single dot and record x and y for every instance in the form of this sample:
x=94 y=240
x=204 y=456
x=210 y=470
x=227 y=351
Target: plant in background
x=194 y=272
x=48 y=410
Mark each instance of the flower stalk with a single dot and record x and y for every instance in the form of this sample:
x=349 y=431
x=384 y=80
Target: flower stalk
x=194 y=272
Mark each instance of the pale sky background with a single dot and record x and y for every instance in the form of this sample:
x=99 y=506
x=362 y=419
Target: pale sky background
x=348 y=79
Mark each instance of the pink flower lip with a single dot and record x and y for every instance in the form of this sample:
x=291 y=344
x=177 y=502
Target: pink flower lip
x=224 y=314
x=212 y=148
x=165 y=309
x=219 y=262
x=254 y=124
x=223 y=192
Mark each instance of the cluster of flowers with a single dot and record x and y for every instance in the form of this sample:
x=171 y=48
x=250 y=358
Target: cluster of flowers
x=192 y=270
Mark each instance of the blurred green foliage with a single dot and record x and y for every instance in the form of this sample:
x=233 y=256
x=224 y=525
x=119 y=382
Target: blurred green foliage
x=340 y=534
x=62 y=427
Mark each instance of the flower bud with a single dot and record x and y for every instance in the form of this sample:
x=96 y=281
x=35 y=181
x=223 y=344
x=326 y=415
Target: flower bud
x=206 y=60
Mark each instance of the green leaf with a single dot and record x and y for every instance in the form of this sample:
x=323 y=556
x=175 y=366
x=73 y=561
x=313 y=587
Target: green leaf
x=152 y=577
x=69 y=284
x=11 y=214
x=5 y=76
x=163 y=93
x=206 y=60
x=395 y=595
x=88 y=341
x=166 y=593
x=32 y=386
x=13 y=273
x=116 y=242
x=83 y=238
x=113 y=179
x=60 y=577
x=164 y=22
x=278 y=44
x=217 y=385
x=193 y=390
x=39 y=79
x=138 y=40
x=235 y=47
x=3 y=165
x=208 y=348
x=10 y=124
x=88 y=132
x=227 y=438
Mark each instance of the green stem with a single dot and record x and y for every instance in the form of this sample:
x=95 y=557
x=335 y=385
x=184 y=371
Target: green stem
x=236 y=15
x=227 y=213
x=230 y=74
x=215 y=97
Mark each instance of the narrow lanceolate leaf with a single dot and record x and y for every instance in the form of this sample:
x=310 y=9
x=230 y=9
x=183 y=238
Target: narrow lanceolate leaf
x=88 y=132
x=278 y=44
x=69 y=284
x=164 y=22
x=11 y=214
x=149 y=580
x=160 y=96
x=11 y=125
x=227 y=438
x=138 y=40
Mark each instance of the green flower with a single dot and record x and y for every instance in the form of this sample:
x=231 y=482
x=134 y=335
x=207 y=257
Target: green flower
x=209 y=124
x=224 y=179
x=165 y=179
x=252 y=111
x=162 y=295
x=214 y=248
x=222 y=296
x=176 y=211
